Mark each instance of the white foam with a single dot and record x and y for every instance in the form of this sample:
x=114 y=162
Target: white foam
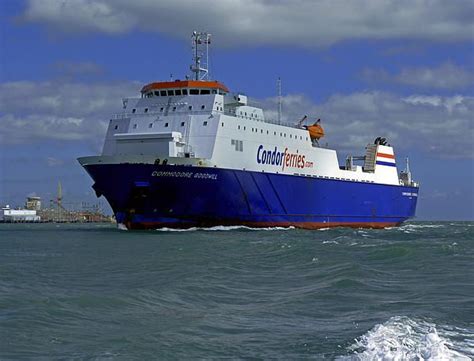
x=224 y=228
x=122 y=227
x=402 y=338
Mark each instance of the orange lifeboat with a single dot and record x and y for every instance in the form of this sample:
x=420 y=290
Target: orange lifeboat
x=316 y=131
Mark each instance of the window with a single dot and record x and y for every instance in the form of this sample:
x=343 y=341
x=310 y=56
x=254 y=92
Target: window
x=134 y=126
x=214 y=91
x=146 y=110
x=222 y=124
x=205 y=91
x=166 y=125
x=274 y=133
x=238 y=127
x=205 y=123
x=244 y=128
x=174 y=109
x=157 y=93
x=185 y=91
x=193 y=91
x=170 y=93
x=238 y=144
x=190 y=107
x=134 y=110
x=163 y=93
x=291 y=136
x=284 y=135
x=267 y=131
x=177 y=92
x=203 y=106
x=150 y=125
x=161 y=109
x=182 y=124
x=261 y=131
x=116 y=127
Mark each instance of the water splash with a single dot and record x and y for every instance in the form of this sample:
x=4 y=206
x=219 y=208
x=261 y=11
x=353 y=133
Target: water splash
x=402 y=338
x=225 y=228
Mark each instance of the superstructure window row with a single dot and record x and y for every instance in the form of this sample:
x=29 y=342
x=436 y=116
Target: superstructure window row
x=179 y=92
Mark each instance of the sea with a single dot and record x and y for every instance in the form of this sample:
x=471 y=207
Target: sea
x=95 y=292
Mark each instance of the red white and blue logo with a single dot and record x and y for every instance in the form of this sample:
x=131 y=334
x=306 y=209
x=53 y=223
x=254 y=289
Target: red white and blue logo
x=386 y=159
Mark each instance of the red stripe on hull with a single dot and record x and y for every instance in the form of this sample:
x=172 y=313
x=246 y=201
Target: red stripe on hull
x=301 y=225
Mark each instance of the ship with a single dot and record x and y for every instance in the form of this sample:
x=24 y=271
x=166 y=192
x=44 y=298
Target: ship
x=190 y=153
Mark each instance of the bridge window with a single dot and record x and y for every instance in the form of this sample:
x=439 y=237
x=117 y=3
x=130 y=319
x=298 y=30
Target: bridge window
x=157 y=93
x=170 y=93
x=163 y=93
x=185 y=91
x=193 y=91
x=177 y=92
x=205 y=91
x=214 y=91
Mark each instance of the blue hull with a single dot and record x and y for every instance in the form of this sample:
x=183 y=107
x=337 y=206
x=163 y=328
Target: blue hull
x=153 y=196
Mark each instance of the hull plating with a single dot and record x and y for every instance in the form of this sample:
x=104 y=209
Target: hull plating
x=150 y=196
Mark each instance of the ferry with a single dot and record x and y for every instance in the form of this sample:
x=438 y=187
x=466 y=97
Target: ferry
x=190 y=153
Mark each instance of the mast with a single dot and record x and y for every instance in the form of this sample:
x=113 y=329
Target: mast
x=279 y=99
x=200 y=46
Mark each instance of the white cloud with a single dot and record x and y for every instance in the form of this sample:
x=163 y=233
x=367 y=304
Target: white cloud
x=437 y=125
x=298 y=22
x=444 y=76
x=440 y=125
x=35 y=111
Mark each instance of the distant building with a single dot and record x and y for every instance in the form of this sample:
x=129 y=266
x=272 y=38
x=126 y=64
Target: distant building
x=33 y=203
x=18 y=215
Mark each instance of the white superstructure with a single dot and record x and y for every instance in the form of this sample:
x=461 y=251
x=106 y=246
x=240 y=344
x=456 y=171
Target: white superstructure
x=199 y=122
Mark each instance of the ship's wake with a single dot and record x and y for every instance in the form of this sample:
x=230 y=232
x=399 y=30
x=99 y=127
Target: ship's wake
x=402 y=338
x=225 y=228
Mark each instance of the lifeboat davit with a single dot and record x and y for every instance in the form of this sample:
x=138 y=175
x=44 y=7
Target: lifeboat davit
x=316 y=131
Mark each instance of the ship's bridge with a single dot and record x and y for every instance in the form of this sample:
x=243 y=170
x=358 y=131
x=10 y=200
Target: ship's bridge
x=183 y=87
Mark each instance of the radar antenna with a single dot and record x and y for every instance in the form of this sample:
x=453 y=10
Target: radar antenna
x=200 y=67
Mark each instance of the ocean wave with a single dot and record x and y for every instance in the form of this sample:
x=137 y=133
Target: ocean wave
x=402 y=338
x=224 y=228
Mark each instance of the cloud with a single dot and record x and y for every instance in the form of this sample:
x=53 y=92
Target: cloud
x=33 y=112
x=305 y=23
x=75 y=69
x=445 y=76
x=440 y=126
x=54 y=162
x=36 y=111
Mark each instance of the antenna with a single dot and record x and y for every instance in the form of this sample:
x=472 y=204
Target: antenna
x=407 y=165
x=279 y=99
x=60 y=194
x=200 y=46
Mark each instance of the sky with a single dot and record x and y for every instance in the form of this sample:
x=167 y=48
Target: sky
x=401 y=69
